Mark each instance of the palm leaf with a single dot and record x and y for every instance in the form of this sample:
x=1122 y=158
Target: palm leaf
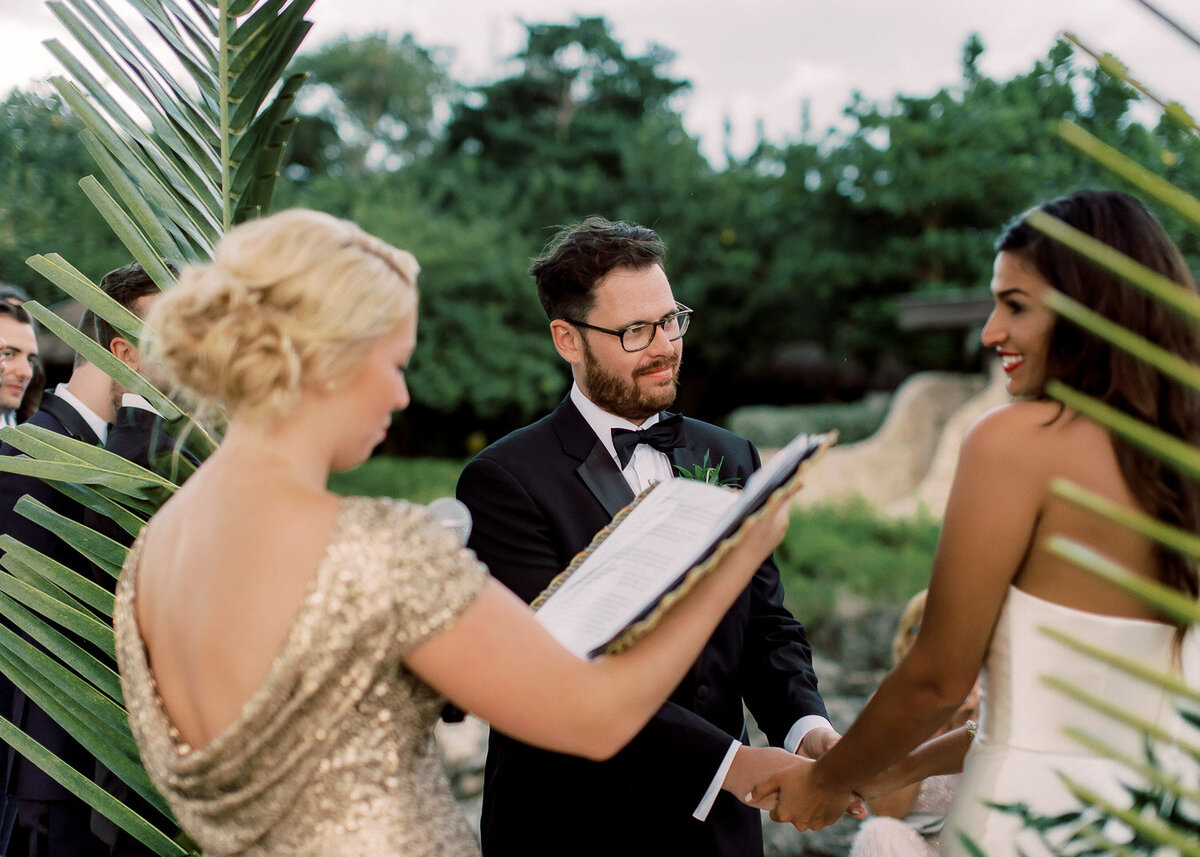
x=56 y=269
x=1179 y=454
x=1170 y=836
x=1154 y=820
x=77 y=620
x=1166 y=362
x=181 y=158
x=97 y=672
x=90 y=498
x=1172 y=109
x=81 y=590
x=1167 y=291
x=95 y=547
x=85 y=715
x=1150 y=527
x=89 y=792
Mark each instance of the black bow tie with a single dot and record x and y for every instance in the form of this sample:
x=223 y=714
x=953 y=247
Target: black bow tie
x=664 y=435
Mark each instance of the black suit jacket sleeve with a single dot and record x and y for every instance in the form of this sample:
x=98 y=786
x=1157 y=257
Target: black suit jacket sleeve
x=515 y=539
x=14 y=486
x=777 y=667
x=508 y=531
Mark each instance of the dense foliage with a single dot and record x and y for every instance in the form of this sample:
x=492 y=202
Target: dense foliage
x=831 y=550
x=792 y=257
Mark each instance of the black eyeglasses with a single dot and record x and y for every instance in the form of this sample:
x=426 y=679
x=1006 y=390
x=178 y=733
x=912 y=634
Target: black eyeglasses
x=639 y=335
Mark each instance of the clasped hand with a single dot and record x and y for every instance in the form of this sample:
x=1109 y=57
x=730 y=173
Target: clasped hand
x=795 y=796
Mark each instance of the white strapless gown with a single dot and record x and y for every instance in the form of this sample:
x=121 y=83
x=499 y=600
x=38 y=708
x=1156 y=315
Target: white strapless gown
x=1020 y=748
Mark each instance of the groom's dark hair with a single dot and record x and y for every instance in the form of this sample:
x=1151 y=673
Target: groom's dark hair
x=580 y=256
x=125 y=285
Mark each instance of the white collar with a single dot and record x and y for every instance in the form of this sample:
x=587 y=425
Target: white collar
x=133 y=400
x=99 y=426
x=602 y=422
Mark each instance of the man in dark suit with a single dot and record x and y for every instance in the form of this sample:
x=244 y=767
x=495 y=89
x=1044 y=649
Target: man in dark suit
x=138 y=432
x=49 y=820
x=20 y=353
x=539 y=495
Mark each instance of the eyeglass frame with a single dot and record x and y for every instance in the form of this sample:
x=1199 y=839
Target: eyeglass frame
x=681 y=312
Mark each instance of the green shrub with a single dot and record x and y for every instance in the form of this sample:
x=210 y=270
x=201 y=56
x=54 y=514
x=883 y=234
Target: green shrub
x=832 y=548
x=848 y=547
x=417 y=479
x=771 y=426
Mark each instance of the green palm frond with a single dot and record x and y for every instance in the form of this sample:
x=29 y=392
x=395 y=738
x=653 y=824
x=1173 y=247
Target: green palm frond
x=188 y=157
x=1114 y=67
x=1166 y=362
x=1179 y=454
x=1122 y=165
x=188 y=132
x=1170 y=602
x=1162 y=816
x=1170 y=293
x=91 y=793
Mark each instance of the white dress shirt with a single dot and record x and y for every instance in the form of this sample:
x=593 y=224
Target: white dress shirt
x=133 y=400
x=647 y=465
x=98 y=425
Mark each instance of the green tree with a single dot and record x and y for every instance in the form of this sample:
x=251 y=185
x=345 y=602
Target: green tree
x=829 y=233
x=579 y=128
x=41 y=158
x=369 y=104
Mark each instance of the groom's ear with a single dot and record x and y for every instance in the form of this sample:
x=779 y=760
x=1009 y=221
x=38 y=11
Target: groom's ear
x=567 y=341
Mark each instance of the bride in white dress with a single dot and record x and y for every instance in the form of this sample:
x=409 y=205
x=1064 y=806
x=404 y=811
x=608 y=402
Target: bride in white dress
x=995 y=586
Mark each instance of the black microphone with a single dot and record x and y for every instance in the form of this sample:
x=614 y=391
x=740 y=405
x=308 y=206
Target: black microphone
x=453 y=515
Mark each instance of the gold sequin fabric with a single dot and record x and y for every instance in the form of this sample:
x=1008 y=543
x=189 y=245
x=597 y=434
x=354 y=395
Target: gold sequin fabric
x=333 y=754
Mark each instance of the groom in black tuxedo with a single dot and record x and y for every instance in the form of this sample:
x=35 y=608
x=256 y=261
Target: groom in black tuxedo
x=539 y=495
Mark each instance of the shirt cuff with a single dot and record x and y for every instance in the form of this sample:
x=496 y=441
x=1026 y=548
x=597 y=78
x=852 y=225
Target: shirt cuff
x=802 y=727
x=714 y=787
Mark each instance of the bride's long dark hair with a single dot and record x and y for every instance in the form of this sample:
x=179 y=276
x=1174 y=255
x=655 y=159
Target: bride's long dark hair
x=1093 y=366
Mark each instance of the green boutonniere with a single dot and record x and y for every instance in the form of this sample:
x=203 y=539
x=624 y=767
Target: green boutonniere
x=708 y=474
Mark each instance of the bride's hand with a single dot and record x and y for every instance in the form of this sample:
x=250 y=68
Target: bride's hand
x=798 y=799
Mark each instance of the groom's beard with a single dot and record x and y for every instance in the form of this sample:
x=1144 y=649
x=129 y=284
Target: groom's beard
x=625 y=397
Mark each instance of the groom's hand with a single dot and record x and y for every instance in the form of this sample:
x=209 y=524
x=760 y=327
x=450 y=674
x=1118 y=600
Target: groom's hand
x=817 y=742
x=752 y=765
x=799 y=800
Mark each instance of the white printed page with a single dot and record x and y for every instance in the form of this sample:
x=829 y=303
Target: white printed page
x=643 y=557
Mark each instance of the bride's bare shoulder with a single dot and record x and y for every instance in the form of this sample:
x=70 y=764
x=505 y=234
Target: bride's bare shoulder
x=1026 y=431
x=1014 y=422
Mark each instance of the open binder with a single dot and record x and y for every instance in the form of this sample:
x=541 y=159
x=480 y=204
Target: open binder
x=655 y=550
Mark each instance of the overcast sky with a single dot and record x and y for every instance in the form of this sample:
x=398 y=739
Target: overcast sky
x=756 y=61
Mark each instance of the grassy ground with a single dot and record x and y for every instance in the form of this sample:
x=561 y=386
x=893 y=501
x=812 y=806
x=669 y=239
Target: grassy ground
x=848 y=549
x=829 y=550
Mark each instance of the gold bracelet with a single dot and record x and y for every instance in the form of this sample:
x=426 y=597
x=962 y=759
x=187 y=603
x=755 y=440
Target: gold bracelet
x=972 y=728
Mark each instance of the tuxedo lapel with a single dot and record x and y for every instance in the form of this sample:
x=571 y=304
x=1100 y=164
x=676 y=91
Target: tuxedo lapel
x=72 y=421
x=597 y=469
x=599 y=473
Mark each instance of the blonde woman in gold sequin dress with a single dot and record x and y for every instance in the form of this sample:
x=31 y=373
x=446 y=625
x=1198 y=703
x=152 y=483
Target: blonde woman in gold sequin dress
x=285 y=652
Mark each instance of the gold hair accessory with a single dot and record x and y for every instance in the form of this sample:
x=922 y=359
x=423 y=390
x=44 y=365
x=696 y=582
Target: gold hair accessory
x=972 y=728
